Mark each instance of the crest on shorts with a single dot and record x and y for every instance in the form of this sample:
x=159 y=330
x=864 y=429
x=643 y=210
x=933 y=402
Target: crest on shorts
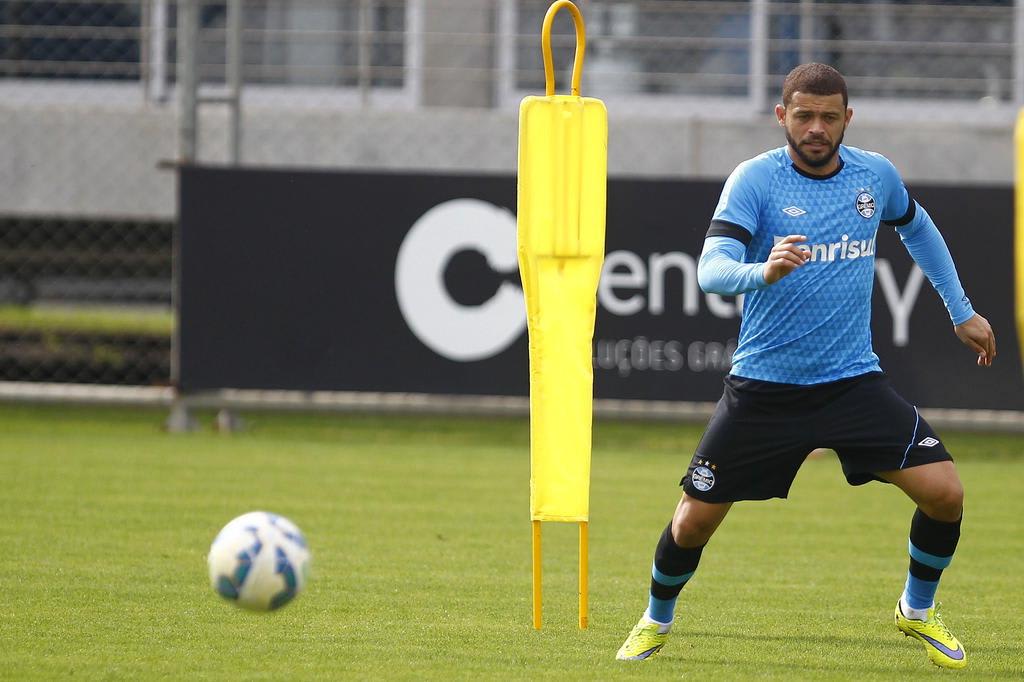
x=703 y=478
x=865 y=204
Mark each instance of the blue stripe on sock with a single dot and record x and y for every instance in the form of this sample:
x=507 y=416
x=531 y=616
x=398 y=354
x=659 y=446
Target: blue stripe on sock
x=670 y=580
x=920 y=593
x=939 y=562
x=917 y=422
x=661 y=610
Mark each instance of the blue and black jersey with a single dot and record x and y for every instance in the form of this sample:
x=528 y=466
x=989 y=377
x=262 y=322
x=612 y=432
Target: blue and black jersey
x=813 y=326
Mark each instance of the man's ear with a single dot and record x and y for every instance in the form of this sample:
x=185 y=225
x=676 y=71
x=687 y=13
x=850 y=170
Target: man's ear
x=780 y=114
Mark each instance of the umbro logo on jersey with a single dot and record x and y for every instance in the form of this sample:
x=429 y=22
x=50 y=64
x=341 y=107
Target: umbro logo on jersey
x=794 y=211
x=929 y=442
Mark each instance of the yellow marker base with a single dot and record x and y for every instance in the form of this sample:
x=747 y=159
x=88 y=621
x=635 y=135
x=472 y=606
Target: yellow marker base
x=584 y=558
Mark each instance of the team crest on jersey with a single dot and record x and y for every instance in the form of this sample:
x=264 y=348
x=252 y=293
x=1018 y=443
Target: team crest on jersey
x=703 y=478
x=865 y=204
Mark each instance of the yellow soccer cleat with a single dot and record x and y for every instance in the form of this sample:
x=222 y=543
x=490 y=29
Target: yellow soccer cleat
x=645 y=640
x=944 y=650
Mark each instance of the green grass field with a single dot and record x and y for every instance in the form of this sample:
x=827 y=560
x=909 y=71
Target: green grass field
x=86 y=319
x=421 y=539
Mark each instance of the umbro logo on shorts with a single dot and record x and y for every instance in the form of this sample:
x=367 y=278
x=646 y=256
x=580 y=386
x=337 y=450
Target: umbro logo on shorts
x=929 y=442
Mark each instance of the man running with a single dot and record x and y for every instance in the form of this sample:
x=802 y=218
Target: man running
x=794 y=231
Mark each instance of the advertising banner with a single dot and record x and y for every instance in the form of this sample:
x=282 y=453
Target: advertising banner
x=341 y=281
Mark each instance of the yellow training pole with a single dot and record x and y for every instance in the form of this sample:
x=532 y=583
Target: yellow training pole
x=584 y=560
x=536 y=576
x=563 y=164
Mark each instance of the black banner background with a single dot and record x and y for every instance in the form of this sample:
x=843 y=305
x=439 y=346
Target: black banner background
x=287 y=281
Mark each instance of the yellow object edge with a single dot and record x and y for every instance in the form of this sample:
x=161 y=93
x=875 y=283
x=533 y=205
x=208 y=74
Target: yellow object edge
x=1018 y=241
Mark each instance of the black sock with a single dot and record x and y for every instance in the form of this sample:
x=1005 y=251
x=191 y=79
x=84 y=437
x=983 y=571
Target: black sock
x=932 y=544
x=673 y=567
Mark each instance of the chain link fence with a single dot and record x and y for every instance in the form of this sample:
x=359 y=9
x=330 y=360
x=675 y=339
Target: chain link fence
x=948 y=51
x=85 y=301
x=91 y=116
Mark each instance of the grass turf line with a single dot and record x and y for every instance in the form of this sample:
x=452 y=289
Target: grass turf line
x=86 y=319
x=420 y=533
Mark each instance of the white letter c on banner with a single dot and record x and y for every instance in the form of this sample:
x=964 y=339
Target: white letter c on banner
x=457 y=332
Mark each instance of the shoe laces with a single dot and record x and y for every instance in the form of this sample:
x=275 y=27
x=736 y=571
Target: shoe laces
x=937 y=618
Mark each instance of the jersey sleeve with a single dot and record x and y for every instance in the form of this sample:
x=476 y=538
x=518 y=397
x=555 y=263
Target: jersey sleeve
x=721 y=269
x=736 y=214
x=926 y=246
x=898 y=207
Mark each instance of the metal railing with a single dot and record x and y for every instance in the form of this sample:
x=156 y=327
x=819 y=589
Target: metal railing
x=638 y=49
x=739 y=52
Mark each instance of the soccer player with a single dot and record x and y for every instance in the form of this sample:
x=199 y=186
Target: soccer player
x=794 y=231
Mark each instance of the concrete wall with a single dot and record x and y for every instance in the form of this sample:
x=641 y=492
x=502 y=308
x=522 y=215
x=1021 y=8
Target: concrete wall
x=457 y=56
x=101 y=159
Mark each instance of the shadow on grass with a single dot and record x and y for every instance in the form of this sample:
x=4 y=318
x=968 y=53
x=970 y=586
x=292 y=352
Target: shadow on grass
x=817 y=639
x=840 y=644
x=783 y=642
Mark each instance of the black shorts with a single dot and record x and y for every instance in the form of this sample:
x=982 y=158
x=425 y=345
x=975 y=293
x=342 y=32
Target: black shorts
x=761 y=432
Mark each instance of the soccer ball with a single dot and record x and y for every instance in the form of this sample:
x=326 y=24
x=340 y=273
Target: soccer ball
x=259 y=561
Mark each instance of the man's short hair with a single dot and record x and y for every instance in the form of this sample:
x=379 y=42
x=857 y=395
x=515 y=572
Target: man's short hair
x=814 y=79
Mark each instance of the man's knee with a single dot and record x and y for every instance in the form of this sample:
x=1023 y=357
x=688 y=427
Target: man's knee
x=946 y=501
x=691 y=532
x=695 y=522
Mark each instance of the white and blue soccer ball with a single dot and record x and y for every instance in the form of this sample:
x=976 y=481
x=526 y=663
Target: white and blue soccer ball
x=259 y=561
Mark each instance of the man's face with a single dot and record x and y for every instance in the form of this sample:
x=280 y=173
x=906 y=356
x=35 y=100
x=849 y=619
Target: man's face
x=814 y=125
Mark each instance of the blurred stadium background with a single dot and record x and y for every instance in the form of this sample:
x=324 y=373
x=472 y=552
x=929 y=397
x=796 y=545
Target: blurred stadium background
x=101 y=101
